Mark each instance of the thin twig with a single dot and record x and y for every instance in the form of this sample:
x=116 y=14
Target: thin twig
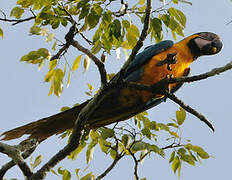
x=189 y=109
x=17 y=21
x=136 y=164
x=100 y=65
x=213 y=72
x=116 y=160
x=172 y=146
x=69 y=38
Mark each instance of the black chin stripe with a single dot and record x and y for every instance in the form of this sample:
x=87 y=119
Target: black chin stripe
x=195 y=50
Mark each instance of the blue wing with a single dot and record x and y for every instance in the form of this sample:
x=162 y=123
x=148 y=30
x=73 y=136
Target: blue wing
x=134 y=70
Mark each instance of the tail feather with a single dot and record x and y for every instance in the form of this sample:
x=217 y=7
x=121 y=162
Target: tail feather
x=46 y=127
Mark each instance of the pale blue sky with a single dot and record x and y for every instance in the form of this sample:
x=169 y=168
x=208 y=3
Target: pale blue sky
x=24 y=99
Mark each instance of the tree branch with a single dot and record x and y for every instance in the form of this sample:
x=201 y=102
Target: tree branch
x=136 y=164
x=100 y=65
x=139 y=44
x=189 y=109
x=27 y=147
x=17 y=21
x=14 y=153
x=77 y=133
x=213 y=72
x=116 y=160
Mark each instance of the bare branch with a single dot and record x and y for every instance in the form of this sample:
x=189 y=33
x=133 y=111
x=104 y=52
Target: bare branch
x=189 y=109
x=172 y=146
x=17 y=21
x=116 y=160
x=77 y=133
x=27 y=147
x=69 y=38
x=213 y=72
x=139 y=44
x=136 y=164
x=14 y=153
x=100 y=65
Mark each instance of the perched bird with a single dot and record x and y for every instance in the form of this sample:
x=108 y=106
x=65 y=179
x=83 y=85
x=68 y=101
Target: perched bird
x=155 y=63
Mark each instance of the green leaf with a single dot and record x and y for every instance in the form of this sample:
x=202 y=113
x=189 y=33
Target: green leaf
x=52 y=64
x=107 y=133
x=97 y=47
x=201 y=152
x=141 y=2
x=181 y=151
x=77 y=151
x=43 y=52
x=146 y=132
x=186 y=2
x=37 y=161
x=132 y=40
x=65 y=108
x=125 y=24
x=89 y=176
x=53 y=172
x=104 y=145
x=133 y=30
x=76 y=63
x=176 y=164
x=115 y=29
x=166 y=19
x=66 y=175
x=125 y=140
x=68 y=81
x=139 y=146
x=180 y=17
x=107 y=18
x=50 y=37
x=113 y=153
x=188 y=159
x=49 y=75
x=93 y=18
x=89 y=154
x=86 y=63
x=175 y=1
x=174 y=134
x=35 y=30
x=1 y=33
x=172 y=156
x=17 y=12
x=54 y=45
x=180 y=116
x=156 y=25
x=84 y=11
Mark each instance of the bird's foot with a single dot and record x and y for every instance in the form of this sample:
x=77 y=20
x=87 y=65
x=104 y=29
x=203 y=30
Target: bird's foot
x=170 y=59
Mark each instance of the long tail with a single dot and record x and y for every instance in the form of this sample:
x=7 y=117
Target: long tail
x=46 y=127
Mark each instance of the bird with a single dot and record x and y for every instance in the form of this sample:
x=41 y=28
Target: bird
x=153 y=64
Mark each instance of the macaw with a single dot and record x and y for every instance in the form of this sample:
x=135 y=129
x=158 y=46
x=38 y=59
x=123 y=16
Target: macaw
x=155 y=63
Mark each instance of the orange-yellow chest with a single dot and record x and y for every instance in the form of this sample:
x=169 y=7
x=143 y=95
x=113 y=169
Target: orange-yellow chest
x=153 y=73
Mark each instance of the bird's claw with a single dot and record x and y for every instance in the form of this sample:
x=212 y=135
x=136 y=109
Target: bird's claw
x=170 y=59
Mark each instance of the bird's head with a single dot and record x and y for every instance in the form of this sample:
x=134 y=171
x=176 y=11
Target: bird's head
x=204 y=43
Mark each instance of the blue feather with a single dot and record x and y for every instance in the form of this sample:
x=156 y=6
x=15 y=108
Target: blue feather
x=143 y=57
x=135 y=69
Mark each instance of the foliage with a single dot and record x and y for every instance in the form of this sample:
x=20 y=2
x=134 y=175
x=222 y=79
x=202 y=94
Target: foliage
x=104 y=30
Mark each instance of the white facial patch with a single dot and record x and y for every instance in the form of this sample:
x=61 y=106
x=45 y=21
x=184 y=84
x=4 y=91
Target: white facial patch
x=201 y=42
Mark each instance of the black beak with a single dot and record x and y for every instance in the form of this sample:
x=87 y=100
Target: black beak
x=217 y=44
x=212 y=48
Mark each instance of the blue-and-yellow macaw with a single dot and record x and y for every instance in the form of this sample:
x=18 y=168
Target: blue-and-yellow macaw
x=155 y=63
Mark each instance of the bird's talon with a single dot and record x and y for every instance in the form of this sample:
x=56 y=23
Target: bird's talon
x=170 y=59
